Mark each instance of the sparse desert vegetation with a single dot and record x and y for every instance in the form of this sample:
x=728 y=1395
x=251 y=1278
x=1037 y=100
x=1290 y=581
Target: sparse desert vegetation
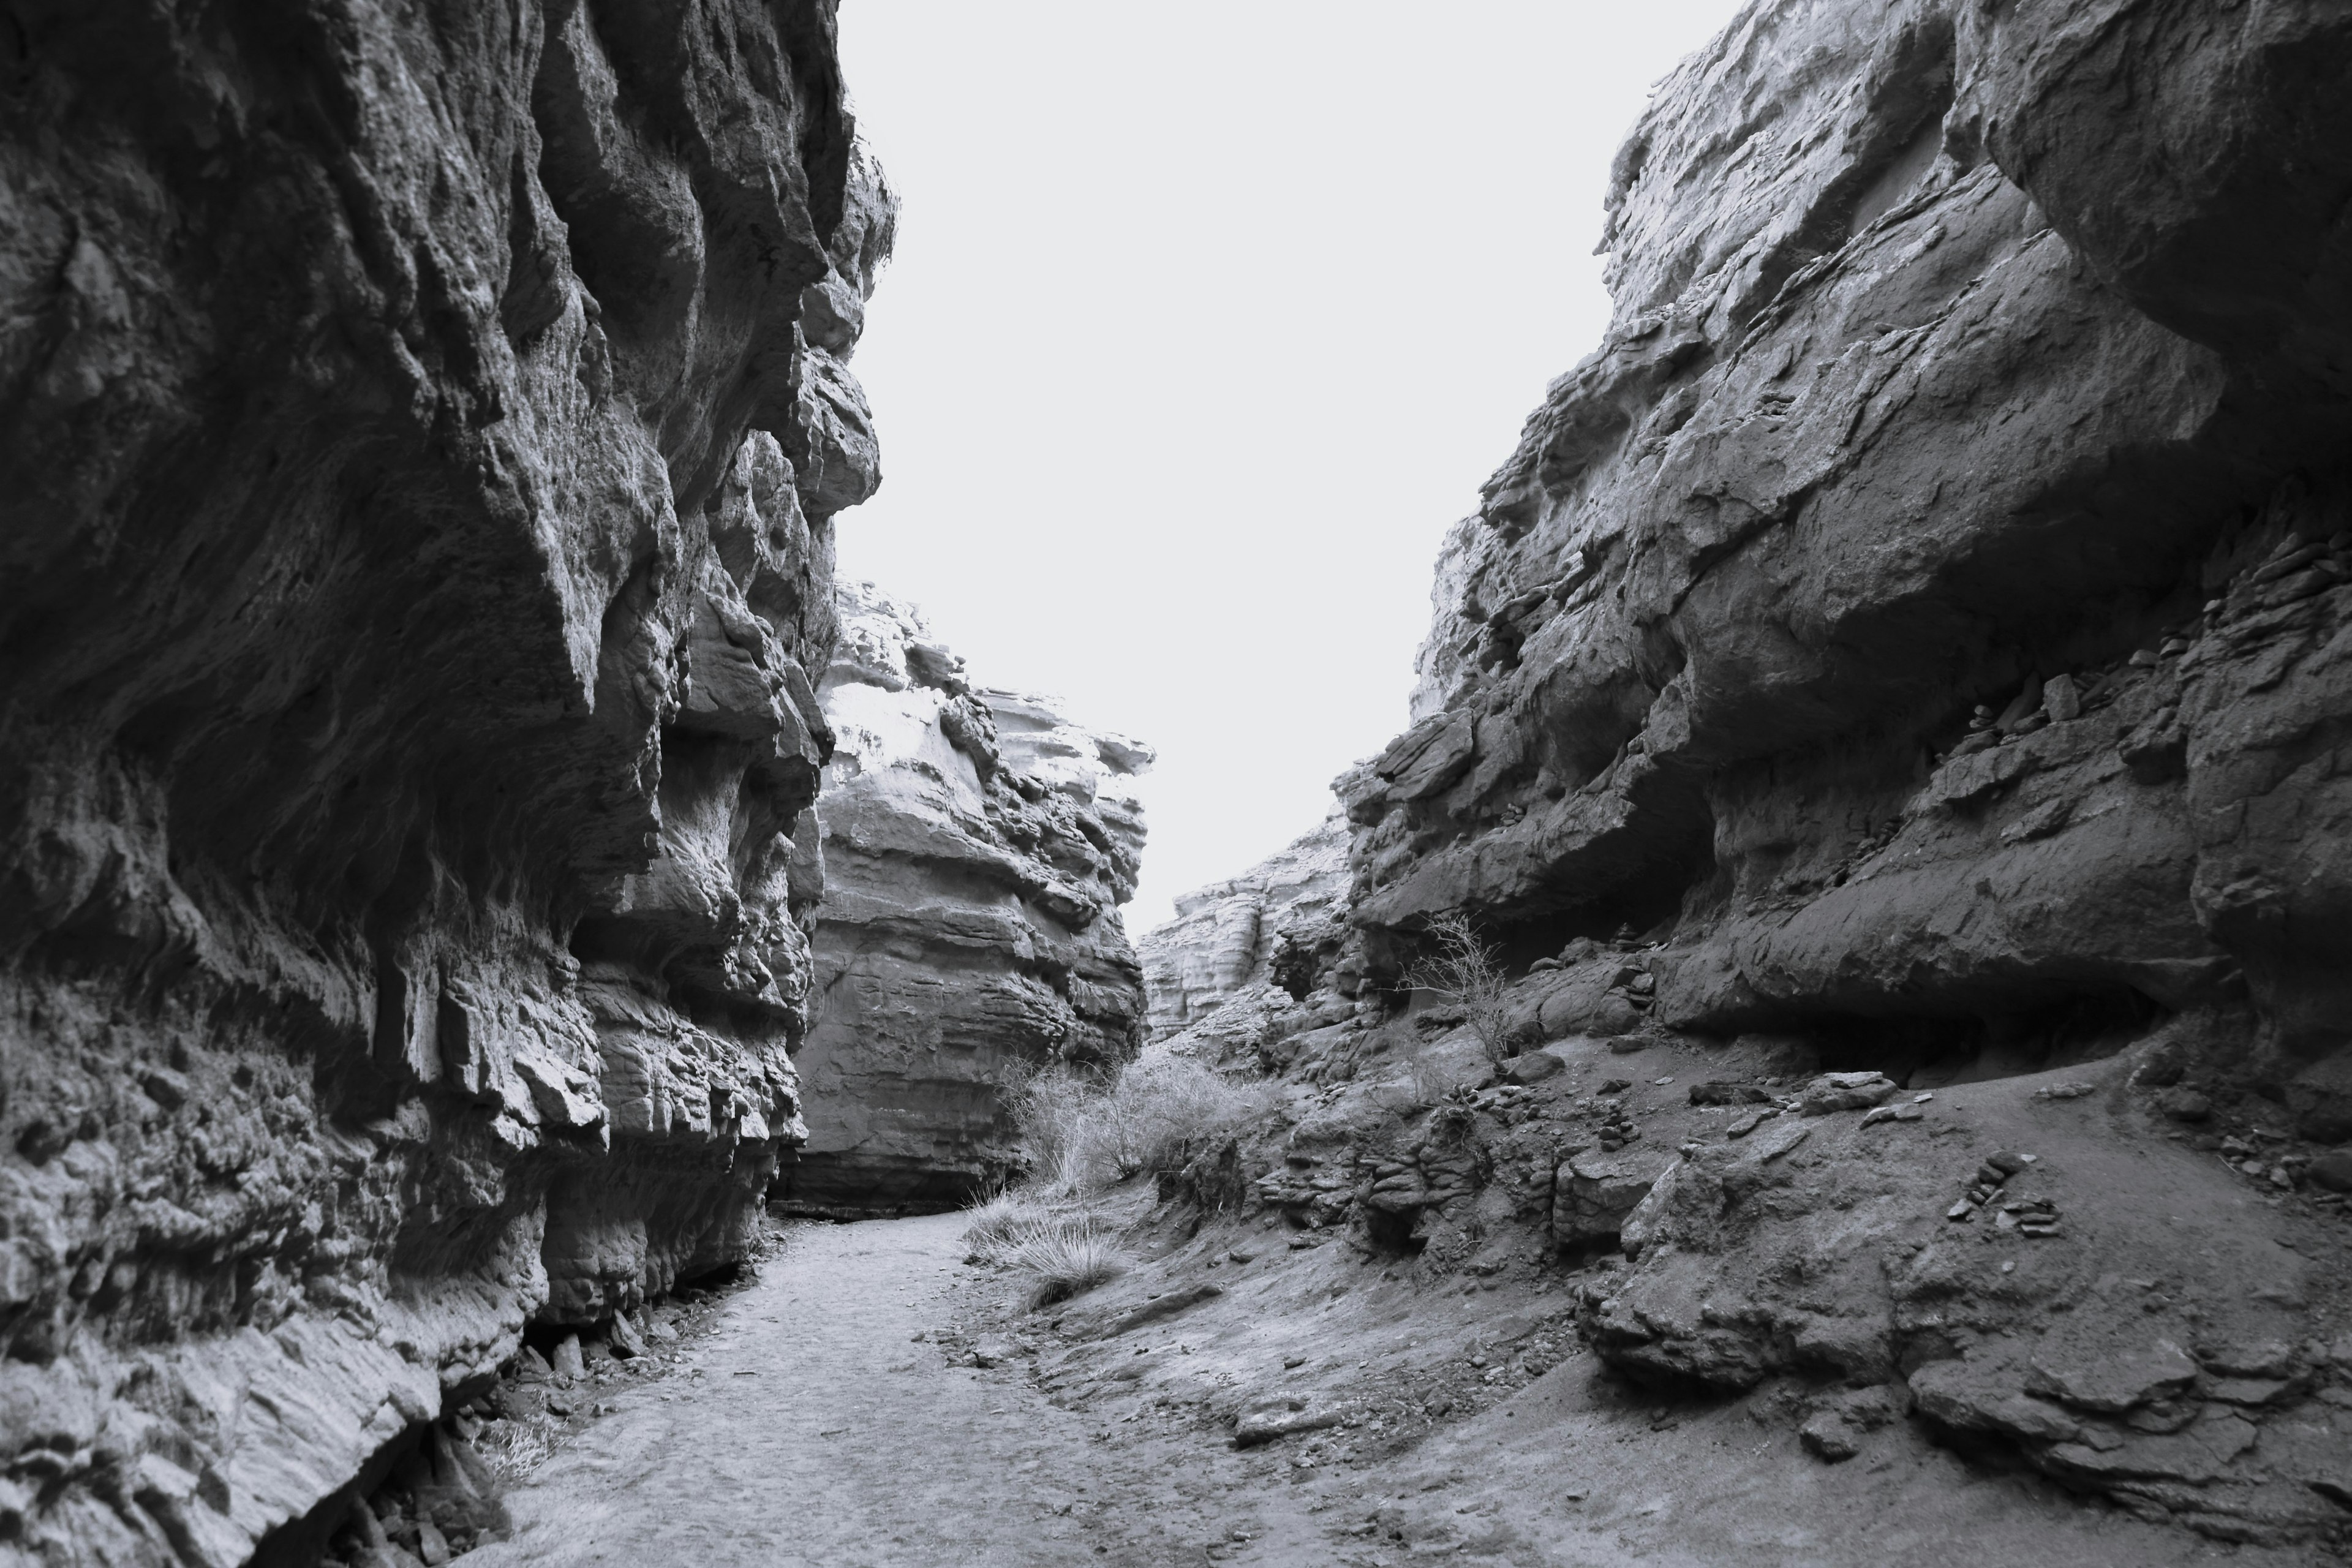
x=1463 y=969
x=1086 y=1137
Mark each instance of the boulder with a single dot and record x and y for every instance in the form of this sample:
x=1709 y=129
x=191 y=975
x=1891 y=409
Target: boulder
x=1533 y=1068
x=1281 y=1415
x=1593 y=1194
x=1834 y=1091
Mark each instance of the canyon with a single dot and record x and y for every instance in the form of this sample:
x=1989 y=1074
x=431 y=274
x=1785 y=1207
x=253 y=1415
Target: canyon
x=464 y=858
x=1262 y=928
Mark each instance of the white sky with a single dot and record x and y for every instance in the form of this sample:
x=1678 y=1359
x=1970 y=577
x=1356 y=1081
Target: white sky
x=1206 y=321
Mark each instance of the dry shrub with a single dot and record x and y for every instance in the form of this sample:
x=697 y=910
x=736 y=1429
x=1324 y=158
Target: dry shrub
x=1082 y=1135
x=1055 y=1109
x=1465 y=971
x=1153 y=1117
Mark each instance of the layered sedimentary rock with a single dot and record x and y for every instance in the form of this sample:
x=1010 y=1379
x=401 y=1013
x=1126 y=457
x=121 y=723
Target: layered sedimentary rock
x=1916 y=641
x=1930 y=592
x=1264 y=927
x=424 y=427
x=976 y=846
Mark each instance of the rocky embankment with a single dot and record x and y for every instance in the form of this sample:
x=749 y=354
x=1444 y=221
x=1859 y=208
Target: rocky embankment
x=976 y=847
x=1888 y=714
x=1269 y=926
x=424 y=431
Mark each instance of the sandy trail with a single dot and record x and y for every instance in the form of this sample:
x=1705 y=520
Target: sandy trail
x=807 y=1428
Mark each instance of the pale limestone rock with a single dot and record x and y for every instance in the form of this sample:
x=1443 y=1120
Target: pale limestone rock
x=1224 y=937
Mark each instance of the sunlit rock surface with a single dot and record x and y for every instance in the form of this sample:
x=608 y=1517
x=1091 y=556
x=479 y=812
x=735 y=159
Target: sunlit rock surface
x=976 y=847
x=1226 y=937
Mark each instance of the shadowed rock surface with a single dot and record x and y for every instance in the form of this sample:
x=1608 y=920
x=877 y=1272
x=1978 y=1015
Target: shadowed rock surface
x=424 y=431
x=976 y=848
x=1889 y=713
x=1928 y=599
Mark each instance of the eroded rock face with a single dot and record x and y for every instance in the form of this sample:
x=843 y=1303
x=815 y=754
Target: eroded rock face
x=1904 y=667
x=1913 y=642
x=976 y=847
x=1234 y=935
x=1923 y=401
x=423 y=434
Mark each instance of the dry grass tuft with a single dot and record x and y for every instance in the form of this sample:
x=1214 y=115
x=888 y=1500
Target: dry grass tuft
x=1064 y=1248
x=1083 y=1136
x=513 y=1449
x=1009 y=1218
x=1064 y=1261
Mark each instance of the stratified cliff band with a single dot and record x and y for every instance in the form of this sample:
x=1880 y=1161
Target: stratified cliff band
x=977 y=847
x=1928 y=595
x=1265 y=927
x=424 y=427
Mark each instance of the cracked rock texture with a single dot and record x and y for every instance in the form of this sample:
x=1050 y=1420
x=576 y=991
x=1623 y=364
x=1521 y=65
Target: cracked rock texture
x=424 y=427
x=1233 y=935
x=1917 y=642
x=975 y=848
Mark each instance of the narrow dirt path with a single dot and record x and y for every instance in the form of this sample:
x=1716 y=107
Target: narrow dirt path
x=808 y=1429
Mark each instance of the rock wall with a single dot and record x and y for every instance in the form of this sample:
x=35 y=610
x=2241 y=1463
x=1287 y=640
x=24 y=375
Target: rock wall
x=424 y=431
x=1918 y=644
x=1226 y=938
x=1930 y=592
x=976 y=848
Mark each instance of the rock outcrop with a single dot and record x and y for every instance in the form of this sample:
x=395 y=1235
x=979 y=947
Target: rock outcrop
x=976 y=847
x=1265 y=927
x=424 y=431
x=1930 y=594
x=1908 y=665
